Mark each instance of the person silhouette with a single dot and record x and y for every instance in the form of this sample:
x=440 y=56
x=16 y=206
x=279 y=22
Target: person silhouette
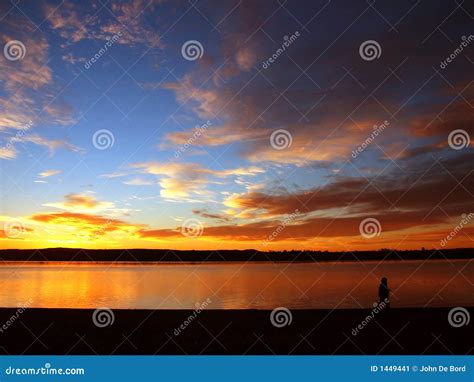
x=384 y=292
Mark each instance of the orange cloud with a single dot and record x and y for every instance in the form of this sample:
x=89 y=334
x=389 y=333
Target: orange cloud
x=219 y=135
x=15 y=112
x=458 y=116
x=81 y=202
x=32 y=70
x=66 y=20
x=8 y=152
x=300 y=228
x=395 y=190
x=245 y=58
x=93 y=225
x=329 y=139
x=60 y=113
x=207 y=103
x=5 y=235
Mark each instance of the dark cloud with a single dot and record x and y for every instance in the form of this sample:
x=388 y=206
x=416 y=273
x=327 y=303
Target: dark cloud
x=423 y=187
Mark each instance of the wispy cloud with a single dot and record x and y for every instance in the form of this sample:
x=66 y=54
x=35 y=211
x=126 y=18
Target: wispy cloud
x=48 y=173
x=32 y=71
x=189 y=181
x=8 y=152
x=75 y=22
x=51 y=144
x=138 y=182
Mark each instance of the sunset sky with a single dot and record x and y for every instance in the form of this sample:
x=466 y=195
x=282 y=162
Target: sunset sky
x=182 y=124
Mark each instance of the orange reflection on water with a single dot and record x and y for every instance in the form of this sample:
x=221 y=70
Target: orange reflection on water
x=236 y=286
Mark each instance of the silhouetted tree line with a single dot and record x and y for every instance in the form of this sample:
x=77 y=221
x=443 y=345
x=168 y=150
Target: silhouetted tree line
x=164 y=255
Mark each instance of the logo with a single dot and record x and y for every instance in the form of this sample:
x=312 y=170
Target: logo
x=370 y=50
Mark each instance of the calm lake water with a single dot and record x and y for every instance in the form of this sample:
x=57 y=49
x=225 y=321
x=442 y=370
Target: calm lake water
x=236 y=285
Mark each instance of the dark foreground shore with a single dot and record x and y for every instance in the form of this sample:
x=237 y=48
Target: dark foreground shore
x=72 y=331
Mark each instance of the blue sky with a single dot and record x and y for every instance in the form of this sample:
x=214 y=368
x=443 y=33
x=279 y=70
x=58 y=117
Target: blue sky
x=230 y=181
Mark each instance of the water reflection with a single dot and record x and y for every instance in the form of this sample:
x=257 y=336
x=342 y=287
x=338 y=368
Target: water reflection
x=236 y=286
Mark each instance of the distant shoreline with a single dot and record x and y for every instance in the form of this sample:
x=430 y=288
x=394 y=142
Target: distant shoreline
x=142 y=263
x=164 y=256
